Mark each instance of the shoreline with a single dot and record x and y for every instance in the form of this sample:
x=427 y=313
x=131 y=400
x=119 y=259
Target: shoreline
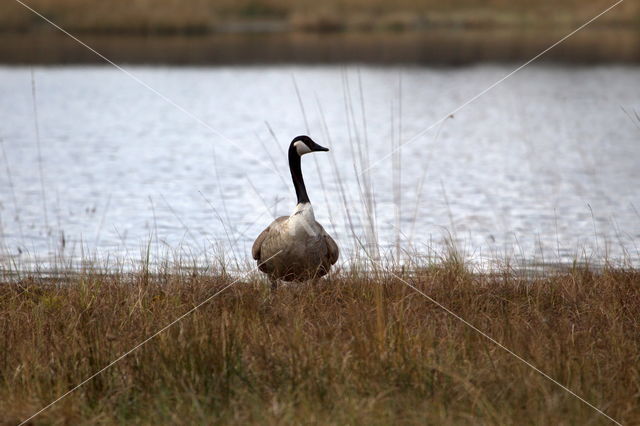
x=448 y=47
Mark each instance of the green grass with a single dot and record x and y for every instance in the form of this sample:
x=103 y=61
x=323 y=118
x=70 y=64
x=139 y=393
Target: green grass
x=357 y=348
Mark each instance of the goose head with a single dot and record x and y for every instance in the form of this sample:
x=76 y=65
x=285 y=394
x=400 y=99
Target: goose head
x=301 y=145
x=304 y=144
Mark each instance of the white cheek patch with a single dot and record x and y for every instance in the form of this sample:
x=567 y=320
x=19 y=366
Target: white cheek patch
x=301 y=148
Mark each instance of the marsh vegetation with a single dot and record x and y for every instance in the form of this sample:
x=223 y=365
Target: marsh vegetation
x=202 y=16
x=284 y=31
x=359 y=348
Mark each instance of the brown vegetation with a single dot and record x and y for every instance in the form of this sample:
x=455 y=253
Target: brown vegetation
x=358 y=348
x=200 y=16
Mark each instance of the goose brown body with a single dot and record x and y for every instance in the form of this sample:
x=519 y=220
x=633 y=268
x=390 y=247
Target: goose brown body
x=291 y=251
x=296 y=247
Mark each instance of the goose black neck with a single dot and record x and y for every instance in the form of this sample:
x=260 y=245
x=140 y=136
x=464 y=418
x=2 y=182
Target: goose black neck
x=296 y=176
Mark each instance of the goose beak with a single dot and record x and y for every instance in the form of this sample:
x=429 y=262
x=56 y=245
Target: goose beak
x=320 y=148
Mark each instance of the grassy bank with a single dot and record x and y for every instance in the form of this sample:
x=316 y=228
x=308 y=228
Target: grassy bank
x=204 y=16
x=357 y=348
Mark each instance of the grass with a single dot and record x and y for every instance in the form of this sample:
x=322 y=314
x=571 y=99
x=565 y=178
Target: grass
x=201 y=16
x=358 y=348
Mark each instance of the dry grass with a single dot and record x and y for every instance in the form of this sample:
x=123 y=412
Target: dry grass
x=198 y=16
x=355 y=349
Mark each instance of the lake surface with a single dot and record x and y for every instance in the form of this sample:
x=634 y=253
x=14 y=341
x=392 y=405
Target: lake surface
x=544 y=167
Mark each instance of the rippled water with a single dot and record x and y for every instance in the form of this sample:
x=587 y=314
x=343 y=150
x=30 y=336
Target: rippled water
x=543 y=167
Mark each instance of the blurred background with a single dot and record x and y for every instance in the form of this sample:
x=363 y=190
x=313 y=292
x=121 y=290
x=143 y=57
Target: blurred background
x=378 y=31
x=183 y=153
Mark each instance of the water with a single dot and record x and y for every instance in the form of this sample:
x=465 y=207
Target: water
x=544 y=167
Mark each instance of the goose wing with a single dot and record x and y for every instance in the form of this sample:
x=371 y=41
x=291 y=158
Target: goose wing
x=332 y=247
x=257 y=244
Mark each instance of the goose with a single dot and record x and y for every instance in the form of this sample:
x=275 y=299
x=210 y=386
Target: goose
x=296 y=247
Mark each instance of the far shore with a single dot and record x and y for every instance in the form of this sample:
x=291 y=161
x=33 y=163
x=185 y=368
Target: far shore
x=444 y=46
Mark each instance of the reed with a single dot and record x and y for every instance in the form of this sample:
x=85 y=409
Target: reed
x=359 y=347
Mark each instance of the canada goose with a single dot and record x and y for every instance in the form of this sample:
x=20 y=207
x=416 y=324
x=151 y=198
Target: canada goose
x=296 y=247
